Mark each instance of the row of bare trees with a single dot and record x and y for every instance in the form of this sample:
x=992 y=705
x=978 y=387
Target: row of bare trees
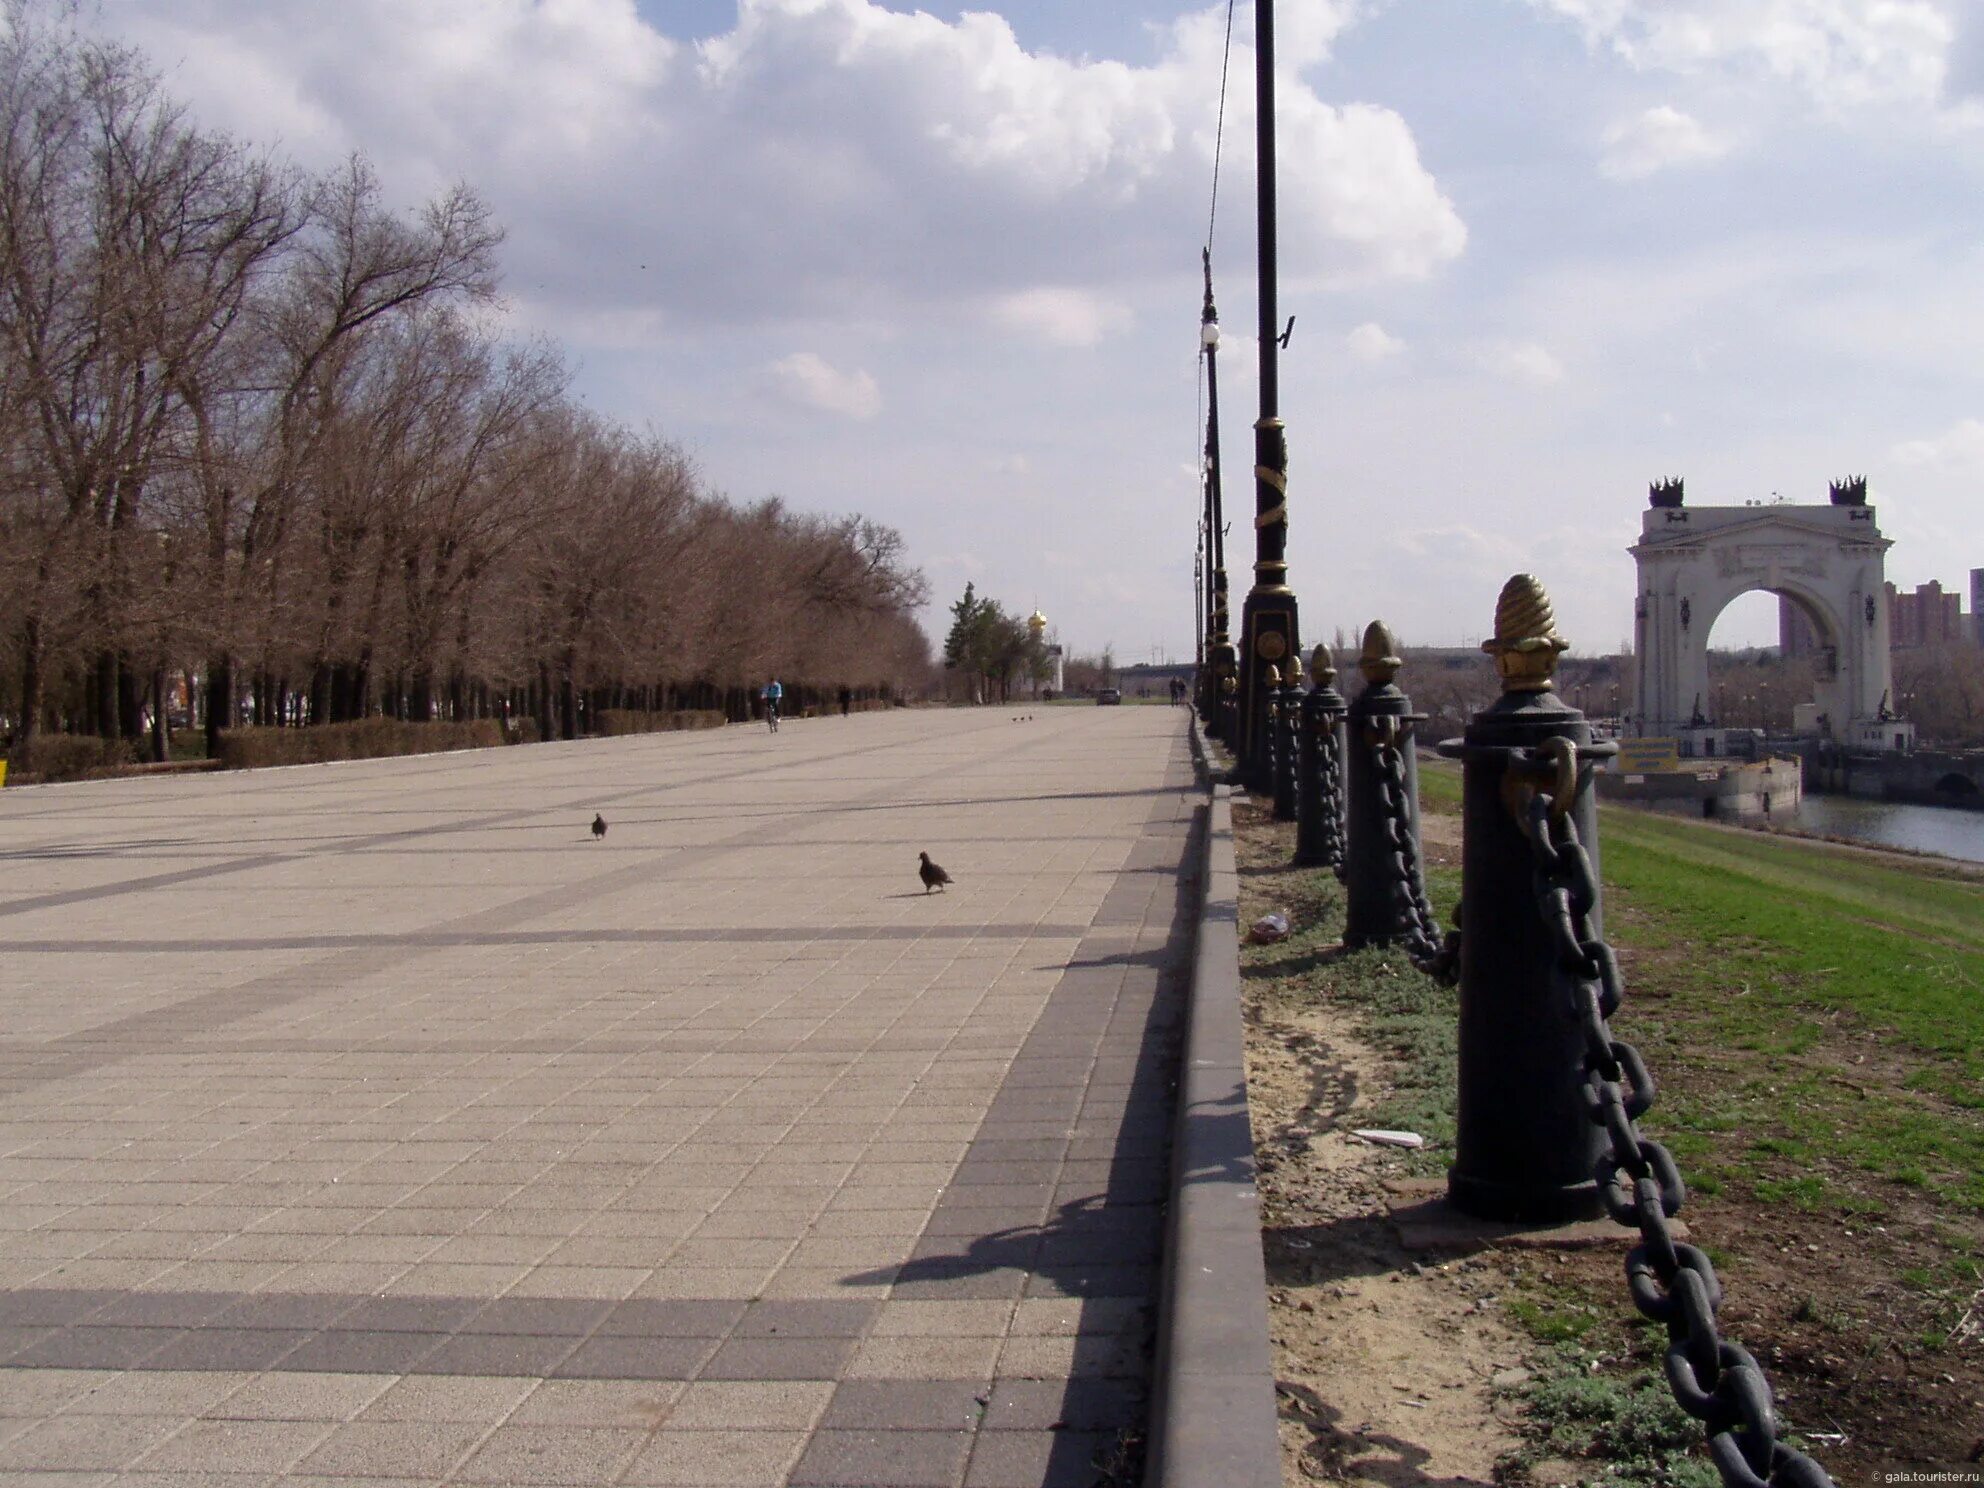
x=260 y=431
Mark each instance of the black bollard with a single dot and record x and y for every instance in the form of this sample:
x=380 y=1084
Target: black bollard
x=1375 y=913
x=1287 y=739
x=1225 y=665
x=1229 y=712
x=1319 y=795
x=1525 y=1147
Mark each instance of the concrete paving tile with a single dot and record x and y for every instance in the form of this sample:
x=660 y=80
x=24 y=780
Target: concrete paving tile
x=228 y=1349
x=907 y=1404
x=637 y=1358
x=496 y=1354
x=856 y=1222
x=830 y=1281
x=142 y=1393
x=612 y=1282
x=639 y=1404
x=402 y=1314
x=1049 y=1405
x=1096 y=1354
x=732 y=1250
x=716 y=1459
x=901 y=1319
x=92 y=1348
x=300 y=1397
x=43 y=1392
x=552 y=1454
x=911 y=1358
x=428 y=1279
x=768 y=1092
x=704 y=1317
x=424 y=1450
x=871 y=1459
x=718 y=1282
x=806 y=1319
x=52 y=1307
x=963 y=1282
x=750 y=1405
x=427 y=1397
x=334 y=1351
x=78 y=1443
x=236 y=1446
x=779 y=1359
x=1040 y=1459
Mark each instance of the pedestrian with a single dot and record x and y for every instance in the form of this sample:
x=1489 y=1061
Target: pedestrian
x=846 y=700
x=774 y=694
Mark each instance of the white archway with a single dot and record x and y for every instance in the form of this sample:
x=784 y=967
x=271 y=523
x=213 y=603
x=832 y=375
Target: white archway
x=1829 y=560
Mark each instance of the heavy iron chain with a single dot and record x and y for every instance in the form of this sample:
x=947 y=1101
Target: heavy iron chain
x=1437 y=955
x=1329 y=786
x=1714 y=1380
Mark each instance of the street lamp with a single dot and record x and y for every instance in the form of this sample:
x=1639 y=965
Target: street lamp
x=1220 y=661
x=1268 y=624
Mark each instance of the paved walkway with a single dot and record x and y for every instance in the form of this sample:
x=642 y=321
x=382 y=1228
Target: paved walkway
x=372 y=1121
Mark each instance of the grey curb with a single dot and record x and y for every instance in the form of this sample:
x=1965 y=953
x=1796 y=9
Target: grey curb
x=1213 y=1410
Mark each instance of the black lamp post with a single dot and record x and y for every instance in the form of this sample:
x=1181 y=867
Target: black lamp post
x=1268 y=625
x=1219 y=649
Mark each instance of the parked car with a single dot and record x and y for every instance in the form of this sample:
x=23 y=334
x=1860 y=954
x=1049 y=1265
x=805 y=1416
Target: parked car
x=1107 y=696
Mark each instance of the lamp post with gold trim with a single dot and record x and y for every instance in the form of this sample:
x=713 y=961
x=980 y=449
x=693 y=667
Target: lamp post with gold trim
x=1268 y=621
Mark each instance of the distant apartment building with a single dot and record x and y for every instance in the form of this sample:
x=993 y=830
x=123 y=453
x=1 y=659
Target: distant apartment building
x=1926 y=618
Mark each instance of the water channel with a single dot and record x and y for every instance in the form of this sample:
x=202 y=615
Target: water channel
x=1935 y=829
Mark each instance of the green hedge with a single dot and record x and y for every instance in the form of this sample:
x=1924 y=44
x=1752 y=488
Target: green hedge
x=619 y=721
x=48 y=757
x=367 y=738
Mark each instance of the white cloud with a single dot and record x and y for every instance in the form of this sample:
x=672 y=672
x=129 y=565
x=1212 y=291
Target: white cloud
x=1654 y=141
x=1371 y=342
x=1841 y=52
x=1959 y=447
x=1519 y=361
x=1062 y=317
x=821 y=158
x=808 y=379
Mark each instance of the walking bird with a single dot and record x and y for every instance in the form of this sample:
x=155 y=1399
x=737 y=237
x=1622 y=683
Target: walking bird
x=598 y=825
x=933 y=876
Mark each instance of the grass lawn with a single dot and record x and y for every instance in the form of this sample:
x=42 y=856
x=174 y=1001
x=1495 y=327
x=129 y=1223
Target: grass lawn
x=1815 y=1018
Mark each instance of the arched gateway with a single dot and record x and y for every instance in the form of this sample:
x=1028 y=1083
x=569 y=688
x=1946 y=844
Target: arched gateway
x=1828 y=560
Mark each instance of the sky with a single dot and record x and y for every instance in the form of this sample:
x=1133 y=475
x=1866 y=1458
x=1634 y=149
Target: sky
x=940 y=266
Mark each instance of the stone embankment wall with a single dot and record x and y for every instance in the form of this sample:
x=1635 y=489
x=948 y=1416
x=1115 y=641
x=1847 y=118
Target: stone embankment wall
x=1732 y=789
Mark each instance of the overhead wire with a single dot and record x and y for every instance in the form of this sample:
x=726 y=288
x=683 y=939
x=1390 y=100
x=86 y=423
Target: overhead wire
x=1219 y=127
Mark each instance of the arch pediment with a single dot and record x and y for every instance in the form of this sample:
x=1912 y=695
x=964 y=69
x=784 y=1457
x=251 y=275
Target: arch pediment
x=1766 y=525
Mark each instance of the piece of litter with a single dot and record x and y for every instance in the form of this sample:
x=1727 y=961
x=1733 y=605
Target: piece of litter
x=1269 y=927
x=1392 y=1138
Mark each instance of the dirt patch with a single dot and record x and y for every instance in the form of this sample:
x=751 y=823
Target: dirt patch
x=1386 y=1361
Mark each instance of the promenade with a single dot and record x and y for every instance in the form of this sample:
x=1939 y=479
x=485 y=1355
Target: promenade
x=374 y=1122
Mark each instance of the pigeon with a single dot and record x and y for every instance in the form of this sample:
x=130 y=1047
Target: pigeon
x=933 y=876
x=598 y=825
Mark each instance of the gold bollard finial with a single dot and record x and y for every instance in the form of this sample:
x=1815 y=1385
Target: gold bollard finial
x=1322 y=666
x=1294 y=675
x=1273 y=675
x=1526 y=644
x=1378 y=661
